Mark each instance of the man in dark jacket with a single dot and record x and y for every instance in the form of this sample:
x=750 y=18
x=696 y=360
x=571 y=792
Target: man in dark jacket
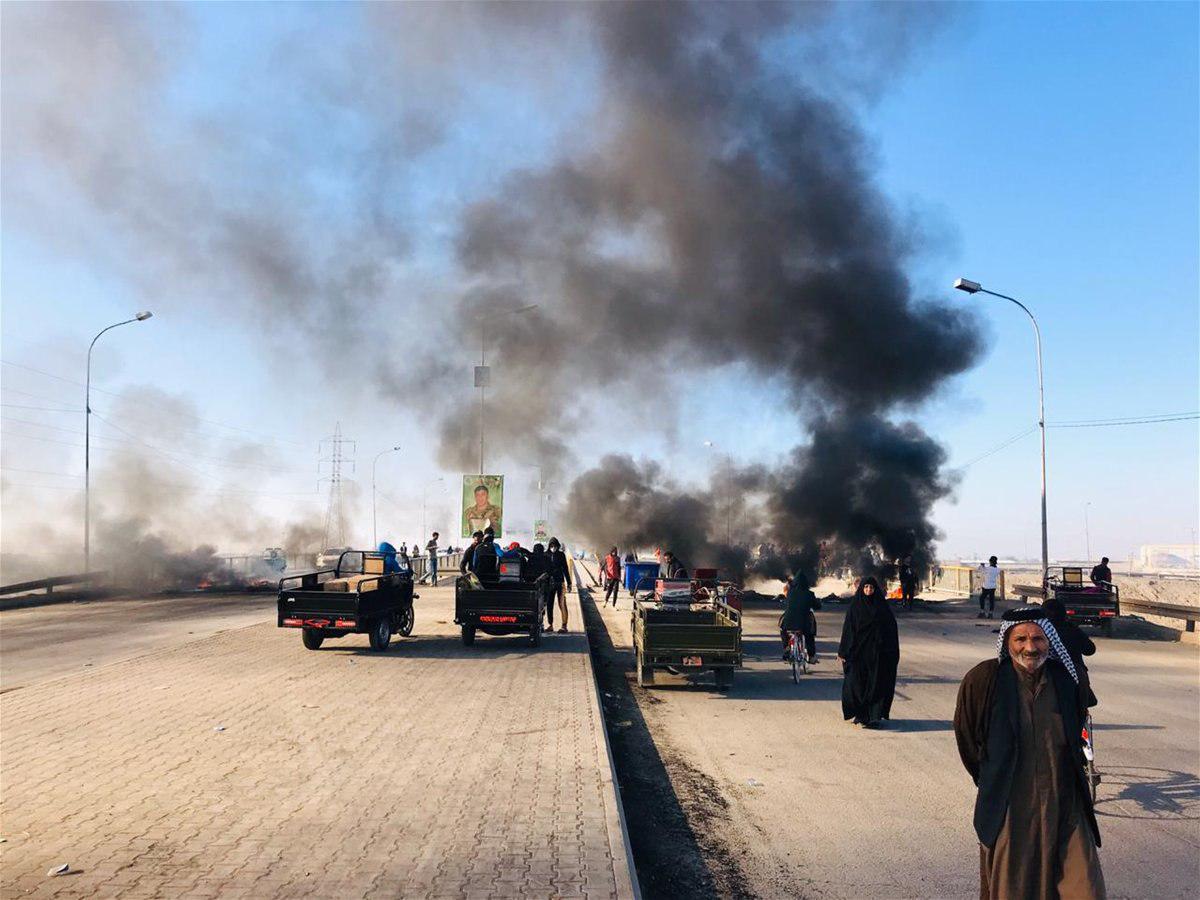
x=671 y=568
x=560 y=572
x=1017 y=723
x=468 y=555
x=485 y=561
x=798 y=615
x=1102 y=574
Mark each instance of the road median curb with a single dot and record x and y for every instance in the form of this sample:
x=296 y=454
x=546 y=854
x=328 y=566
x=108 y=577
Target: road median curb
x=624 y=870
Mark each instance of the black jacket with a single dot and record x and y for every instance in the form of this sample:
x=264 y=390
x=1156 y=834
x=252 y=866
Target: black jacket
x=559 y=569
x=986 y=724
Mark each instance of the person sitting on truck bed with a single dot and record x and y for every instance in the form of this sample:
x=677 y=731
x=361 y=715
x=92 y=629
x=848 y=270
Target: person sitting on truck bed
x=390 y=562
x=1102 y=574
x=468 y=555
x=671 y=568
x=485 y=562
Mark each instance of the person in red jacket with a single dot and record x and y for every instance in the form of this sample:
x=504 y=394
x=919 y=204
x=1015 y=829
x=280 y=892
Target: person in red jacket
x=612 y=576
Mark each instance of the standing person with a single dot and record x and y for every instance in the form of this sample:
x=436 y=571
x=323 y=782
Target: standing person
x=869 y=654
x=612 y=576
x=1017 y=723
x=468 y=554
x=1077 y=643
x=560 y=572
x=798 y=615
x=990 y=575
x=431 y=549
x=908 y=582
x=1102 y=574
x=540 y=564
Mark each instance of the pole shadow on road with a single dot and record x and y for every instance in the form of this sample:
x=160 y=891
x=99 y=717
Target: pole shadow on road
x=671 y=858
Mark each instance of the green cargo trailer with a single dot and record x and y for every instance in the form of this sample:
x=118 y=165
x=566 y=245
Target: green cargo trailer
x=687 y=638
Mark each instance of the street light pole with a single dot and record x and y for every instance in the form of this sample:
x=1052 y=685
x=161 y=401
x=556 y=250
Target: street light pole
x=87 y=441
x=974 y=287
x=374 y=516
x=482 y=374
x=1087 y=533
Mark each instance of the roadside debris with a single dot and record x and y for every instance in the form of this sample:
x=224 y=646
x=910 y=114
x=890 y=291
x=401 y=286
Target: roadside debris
x=219 y=728
x=59 y=870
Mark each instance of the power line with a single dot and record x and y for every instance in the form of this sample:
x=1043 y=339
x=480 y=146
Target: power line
x=42 y=408
x=152 y=403
x=1108 y=423
x=1012 y=440
x=171 y=484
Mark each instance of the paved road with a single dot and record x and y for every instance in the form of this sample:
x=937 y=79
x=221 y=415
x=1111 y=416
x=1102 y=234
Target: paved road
x=805 y=803
x=240 y=764
x=64 y=638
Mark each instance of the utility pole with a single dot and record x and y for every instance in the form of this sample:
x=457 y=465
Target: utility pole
x=335 y=458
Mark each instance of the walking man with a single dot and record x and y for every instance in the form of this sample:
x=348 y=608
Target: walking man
x=908 y=582
x=991 y=580
x=431 y=549
x=1017 y=723
x=612 y=576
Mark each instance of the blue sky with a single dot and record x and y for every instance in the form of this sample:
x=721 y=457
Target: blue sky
x=1048 y=150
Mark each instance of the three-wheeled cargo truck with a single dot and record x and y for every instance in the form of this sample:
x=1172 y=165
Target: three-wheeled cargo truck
x=686 y=628
x=1090 y=604
x=510 y=600
x=355 y=597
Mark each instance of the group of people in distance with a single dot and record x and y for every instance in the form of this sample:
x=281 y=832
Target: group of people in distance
x=482 y=557
x=669 y=567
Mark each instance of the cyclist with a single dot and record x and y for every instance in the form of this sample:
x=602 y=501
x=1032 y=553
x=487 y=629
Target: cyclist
x=798 y=615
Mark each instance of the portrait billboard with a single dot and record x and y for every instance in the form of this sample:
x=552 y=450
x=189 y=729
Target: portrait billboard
x=541 y=531
x=482 y=504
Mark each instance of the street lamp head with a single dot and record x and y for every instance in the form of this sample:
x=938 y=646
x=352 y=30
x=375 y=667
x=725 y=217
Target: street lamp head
x=395 y=448
x=143 y=315
x=708 y=443
x=965 y=284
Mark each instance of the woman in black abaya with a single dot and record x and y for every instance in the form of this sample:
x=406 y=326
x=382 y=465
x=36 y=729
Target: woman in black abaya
x=869 y=653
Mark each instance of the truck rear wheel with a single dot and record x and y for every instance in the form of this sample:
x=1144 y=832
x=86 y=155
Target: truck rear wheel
x=724 y=679
x=381 y=635
x=1106 y=627
x=468 y=635
x=535 y=635
x=312 y=638
x=405 y=625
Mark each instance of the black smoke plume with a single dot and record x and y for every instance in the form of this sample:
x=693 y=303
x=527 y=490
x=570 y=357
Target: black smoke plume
x=723 y=212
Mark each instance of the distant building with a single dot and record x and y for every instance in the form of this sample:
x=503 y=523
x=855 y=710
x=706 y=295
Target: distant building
x=1169 y=556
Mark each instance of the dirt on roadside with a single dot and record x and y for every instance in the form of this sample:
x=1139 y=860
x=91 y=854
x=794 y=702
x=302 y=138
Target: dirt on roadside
x=675 y=814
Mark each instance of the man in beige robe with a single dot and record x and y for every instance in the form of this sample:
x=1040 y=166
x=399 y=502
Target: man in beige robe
x=1018 y=722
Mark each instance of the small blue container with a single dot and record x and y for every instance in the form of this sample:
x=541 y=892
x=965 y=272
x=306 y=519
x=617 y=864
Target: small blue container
x=635 y=572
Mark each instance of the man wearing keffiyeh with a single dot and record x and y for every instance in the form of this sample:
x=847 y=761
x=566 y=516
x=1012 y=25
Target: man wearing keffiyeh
x=1018 y=722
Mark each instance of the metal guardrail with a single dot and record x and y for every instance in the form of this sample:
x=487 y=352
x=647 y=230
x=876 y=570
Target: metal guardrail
x=48 y=584
x=1190 y=614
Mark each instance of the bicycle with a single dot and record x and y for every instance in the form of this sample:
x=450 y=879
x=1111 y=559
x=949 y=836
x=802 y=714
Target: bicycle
x=1089 y=756
x=797 y=655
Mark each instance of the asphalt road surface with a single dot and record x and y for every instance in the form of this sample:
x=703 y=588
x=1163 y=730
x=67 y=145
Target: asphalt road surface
x=44 y=642
x=777 y=787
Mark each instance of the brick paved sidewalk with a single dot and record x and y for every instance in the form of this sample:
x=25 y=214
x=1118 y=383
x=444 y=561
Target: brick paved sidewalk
x=432 y=770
